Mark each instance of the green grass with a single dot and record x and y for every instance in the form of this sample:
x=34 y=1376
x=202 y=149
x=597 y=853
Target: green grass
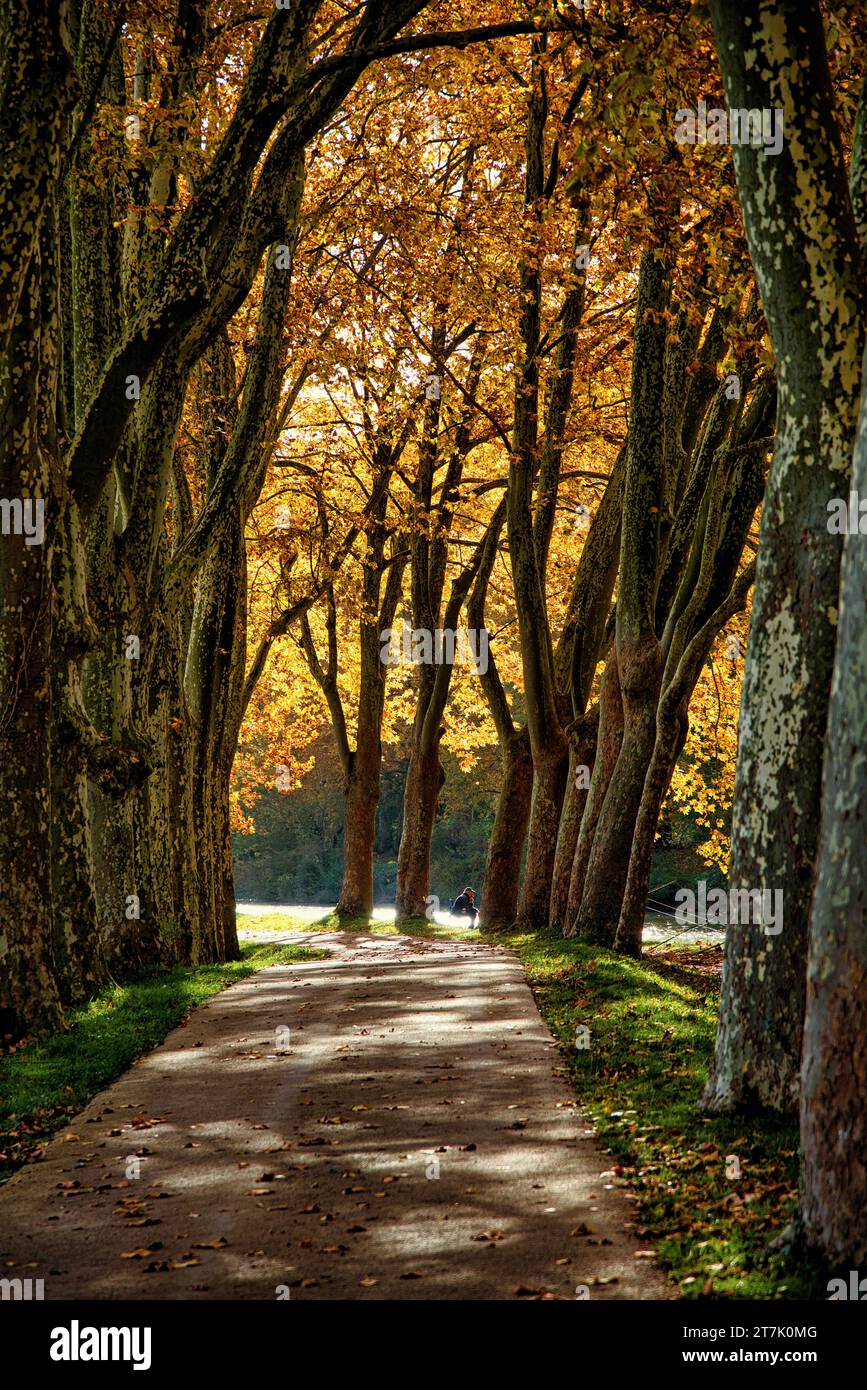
x=652 y=1026
x=416 y=926
x=43 y=1083
x=276 y=921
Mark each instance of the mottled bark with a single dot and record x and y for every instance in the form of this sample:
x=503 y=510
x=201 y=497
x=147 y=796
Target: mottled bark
x=834 y=1067
x=36 y=90
x=775 y=57
x=79 y=963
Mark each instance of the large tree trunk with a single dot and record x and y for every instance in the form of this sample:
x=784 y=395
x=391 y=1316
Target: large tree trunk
x=35 y=99
x=425 y=775
x=78 y=958
x=424 y=780
x=638 y=652
x=834 y=1072
x=362 y=785
x=214 y=670
x=640 y=673
x=499 y=905
x=360 y=801
x=730 y=507
x=550 y=771
x=535 y=462
x=814 y=309
x=128 y=922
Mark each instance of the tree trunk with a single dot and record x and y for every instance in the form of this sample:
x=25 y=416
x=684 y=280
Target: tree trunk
x=815 y=316
x=506 y=847
x=36 y=95
x=213 y=675
x=424 y=780
x=639 y=658
x=608 y=864
x=607 y=753
x=672 y=728
x=360 y=801
x=834 y=1071
x=582 y=753
x=550 y=771
x=78 y=959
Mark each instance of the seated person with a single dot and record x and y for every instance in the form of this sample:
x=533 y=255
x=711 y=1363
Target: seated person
x=465 y=906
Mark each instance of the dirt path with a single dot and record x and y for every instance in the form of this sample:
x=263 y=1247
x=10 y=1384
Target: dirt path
x=415 y=1139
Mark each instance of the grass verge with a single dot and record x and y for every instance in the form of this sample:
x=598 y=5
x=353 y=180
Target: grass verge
x=713 y=1191
x=375 y=926
x=43 y=1083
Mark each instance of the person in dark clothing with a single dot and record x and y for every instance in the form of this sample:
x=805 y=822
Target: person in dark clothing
x=465 y=906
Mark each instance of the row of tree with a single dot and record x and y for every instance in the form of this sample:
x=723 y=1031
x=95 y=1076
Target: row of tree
x=318 y=321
